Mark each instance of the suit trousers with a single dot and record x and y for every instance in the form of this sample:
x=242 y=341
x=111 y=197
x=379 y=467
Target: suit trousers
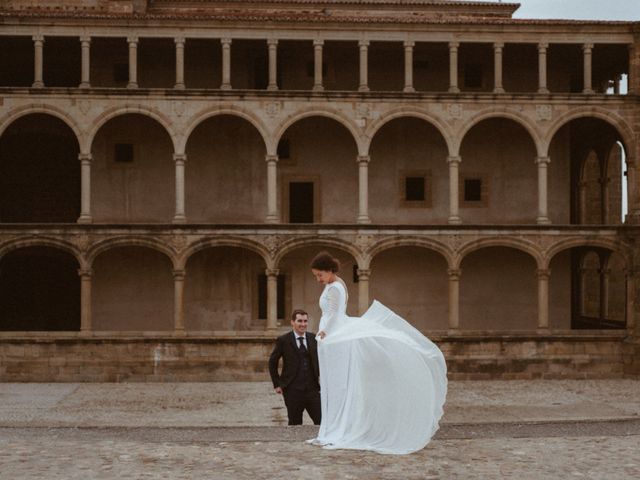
x=298 y=399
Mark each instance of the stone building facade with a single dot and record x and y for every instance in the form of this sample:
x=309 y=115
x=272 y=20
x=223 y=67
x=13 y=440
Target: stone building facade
x=168 y=169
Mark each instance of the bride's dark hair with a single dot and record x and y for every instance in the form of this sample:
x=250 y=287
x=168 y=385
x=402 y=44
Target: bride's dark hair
x=325 y=262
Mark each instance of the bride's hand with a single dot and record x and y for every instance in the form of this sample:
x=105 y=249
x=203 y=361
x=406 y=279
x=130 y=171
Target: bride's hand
x=321 y=334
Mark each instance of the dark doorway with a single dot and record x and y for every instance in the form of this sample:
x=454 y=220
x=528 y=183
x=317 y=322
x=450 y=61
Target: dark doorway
x=39 y=290
x=301 y=202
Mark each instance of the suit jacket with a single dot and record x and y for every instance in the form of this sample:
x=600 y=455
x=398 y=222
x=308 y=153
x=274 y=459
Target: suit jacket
x=287 y=349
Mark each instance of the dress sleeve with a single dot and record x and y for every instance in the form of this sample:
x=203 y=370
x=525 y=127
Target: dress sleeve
x=330 y=313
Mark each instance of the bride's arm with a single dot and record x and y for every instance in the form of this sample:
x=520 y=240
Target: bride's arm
x=330 y=313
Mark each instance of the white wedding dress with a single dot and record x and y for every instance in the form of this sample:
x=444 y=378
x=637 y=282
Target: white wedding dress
x=383 y=384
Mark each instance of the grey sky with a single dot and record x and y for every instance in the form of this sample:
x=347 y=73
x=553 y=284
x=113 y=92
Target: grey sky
x=579 y=9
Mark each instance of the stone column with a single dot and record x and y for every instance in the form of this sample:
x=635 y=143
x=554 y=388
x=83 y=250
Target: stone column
x=272 y=44
x=85 y=48
x=453 y=67
x=543 y=298
x=38 y=56
x=317 y=65
x=454 y=214
x=543 y=215
x=178 y=302
x=133 y=62
x=85 y=187
x=180 y=160
x=272 y=189
x=364 y=66
x=363 y=290
x=179 y=63
x=587 y=50
x=272 y=298
x=85 y=301
x=226 y=63
x=542 y=68
x=605 y=275
x=582 y=202
x=630 y=306
x=363 y=189
x=497 y=67
x=454 y=298
x=408 y=67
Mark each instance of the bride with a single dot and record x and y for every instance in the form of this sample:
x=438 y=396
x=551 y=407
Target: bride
x=383 y=384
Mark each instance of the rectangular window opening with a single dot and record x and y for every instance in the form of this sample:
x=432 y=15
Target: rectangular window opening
x=301 y=202
x=472 y=190
x=415 y=189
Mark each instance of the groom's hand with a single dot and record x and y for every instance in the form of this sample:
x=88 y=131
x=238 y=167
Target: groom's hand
x=278 y=390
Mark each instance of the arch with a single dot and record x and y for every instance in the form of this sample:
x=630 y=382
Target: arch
x=426 y=243
x=332 y=114
x=60 y=114
x=617 y=122
x=219 y=110
x=130 y=241
x=296 y=243
x=44 y=242
x=152 y=113
x=499 y=112
x=613 y=245
x=408 y=112
x=517 y=244
x=238 y=242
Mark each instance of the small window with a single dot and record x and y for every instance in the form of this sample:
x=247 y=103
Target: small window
x=121 y=73
x=301 y=202
x=473 y=75
x=284 y=149
x=414 y=189
x=123 y=152
x=262 y=296
x=472 y=190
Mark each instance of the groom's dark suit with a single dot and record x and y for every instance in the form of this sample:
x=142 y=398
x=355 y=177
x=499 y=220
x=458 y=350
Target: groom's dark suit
x=299 y=377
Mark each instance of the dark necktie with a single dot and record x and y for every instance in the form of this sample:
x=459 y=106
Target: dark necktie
x=302 y=348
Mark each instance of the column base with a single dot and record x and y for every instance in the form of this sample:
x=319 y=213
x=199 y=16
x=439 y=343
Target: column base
x=588 y=91
x=363 y=88
x=409 y=90
x=543 y=330
x=225 y=86
x=454 y=90
x=85 y=218
x=318 y=88
x=272 y=219
x=85 y=333
x=84 y=85
x=455 y=220
x=132 y=85
x=272 y=88
x=179 y=332
x=37 y=85
x=499 y=90
x=543 y=90
x=179 y=86
x=179 y=219
x=543 y=221
x=363 y=219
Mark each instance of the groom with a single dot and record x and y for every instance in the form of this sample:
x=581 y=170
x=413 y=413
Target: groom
x=298 y=382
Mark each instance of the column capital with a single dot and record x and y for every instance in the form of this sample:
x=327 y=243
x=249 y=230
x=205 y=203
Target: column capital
x=225 y=41
x=454 y=273
x=454 y=45
x=272 y=41
x=272 y=272
x=38 y=38
x=363 y=273
x=85 y=39
x=85 y=273
x=271 y=158
x=179 y=274
x=409 y=44
x=542 y=47
x=543 y=273
x=180 y=157
x=363 y=44
x=587 y=47
x=318 y=42
x=179 y=41
x=454 y=159
x=133 y=40
x=85 y=157
x=542 y=161
x=498 y=45
x=363 y=159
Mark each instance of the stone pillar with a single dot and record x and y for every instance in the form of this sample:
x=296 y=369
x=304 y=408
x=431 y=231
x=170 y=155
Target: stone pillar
x=497 y=67
x=605 y=275
x=453 y=67
x=85 y=48
x=543 y=215
x=454 y=214
x=38 y=56
x=133 y=62
x=272 y=189
x=363 y=189
x=587 y=50
x=543 y=298
x=454 y=298
x=272 y=298
x=408 y=67
x=226 y=64
x=178 y=302
x=179 y=63
x=272 y=44
x=630 y=306
x=85 y=301
x=85 y=187
x=180 y=160
x=317 y=65
x=542 y=68
x=363 y=290
x=364 y=66
x=582 y=202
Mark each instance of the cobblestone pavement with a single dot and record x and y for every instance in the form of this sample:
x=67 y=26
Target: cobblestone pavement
x=524 y=430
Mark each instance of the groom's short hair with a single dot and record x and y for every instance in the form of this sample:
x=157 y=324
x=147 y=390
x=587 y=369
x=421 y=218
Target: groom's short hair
x=297 y=312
